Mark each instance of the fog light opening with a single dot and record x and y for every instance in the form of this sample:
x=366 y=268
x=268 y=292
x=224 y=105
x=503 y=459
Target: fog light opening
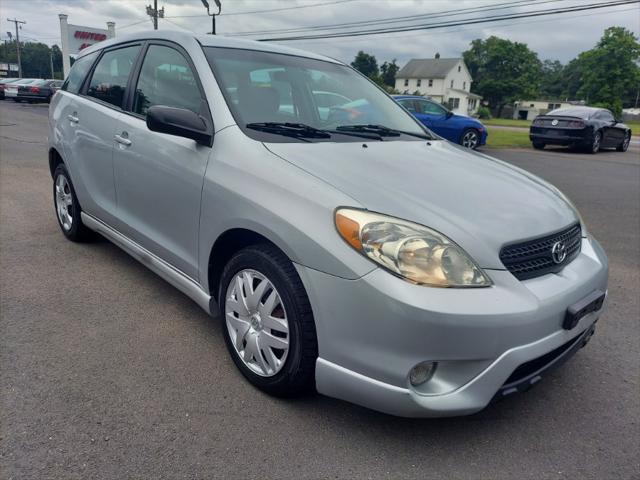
x=422 y=373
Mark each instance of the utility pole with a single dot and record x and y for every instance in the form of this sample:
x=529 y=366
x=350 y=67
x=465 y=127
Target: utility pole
x=154 y=13
x=18 y=42
x=53 y=75
x=212 y=15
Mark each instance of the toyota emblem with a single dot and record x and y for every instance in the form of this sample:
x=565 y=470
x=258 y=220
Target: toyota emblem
x=559 y=252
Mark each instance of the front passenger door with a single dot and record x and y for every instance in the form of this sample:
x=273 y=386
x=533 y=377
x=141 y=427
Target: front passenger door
x=159 y=177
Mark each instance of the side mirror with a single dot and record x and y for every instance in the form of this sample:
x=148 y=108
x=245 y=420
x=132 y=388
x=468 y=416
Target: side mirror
x=449 y=114
x=181 y=123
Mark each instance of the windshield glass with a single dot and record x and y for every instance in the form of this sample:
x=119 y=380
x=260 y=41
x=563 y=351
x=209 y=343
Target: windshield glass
x=271 y=88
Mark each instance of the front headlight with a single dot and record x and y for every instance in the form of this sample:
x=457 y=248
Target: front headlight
x=411 y=251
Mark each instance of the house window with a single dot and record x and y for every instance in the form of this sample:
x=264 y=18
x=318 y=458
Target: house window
x=419 y=82
x=451 y=83
x=464 y=85
x=406 y=82
x=454 y=103
x=430 y=82
x=553 y=106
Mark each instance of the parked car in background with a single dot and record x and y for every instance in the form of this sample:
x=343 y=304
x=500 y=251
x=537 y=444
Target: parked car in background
x=6 y=81
x=587 y=128
x=11 y=89
x=40 y=91
x=465 y=131
x=358 y=254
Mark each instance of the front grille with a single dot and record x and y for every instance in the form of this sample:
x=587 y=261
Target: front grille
x=534 y=258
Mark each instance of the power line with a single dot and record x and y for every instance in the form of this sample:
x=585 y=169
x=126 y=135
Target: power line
x=463 y=11
x=282 y=9
x=536 y=13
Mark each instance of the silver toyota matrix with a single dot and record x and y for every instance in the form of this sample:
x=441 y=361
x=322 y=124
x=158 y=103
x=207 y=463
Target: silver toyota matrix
x=344 y=246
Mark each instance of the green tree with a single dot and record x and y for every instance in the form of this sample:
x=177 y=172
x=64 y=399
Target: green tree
x=366 y=64
x=609 y=73
x=34 y=57
x=552 y=82
x=503 y=71
x=388 y=72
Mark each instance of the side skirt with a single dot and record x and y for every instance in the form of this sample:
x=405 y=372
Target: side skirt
x=169 y=273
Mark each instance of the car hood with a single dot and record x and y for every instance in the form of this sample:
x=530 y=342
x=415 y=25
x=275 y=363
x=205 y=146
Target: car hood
x=479 y=202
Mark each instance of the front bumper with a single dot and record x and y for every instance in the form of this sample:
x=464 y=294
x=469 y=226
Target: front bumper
x=373 y=330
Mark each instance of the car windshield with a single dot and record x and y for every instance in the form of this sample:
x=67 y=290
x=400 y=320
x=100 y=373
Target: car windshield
x=285 y=98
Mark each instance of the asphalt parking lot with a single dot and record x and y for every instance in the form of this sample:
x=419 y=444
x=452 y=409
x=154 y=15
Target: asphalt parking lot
x=106 y=371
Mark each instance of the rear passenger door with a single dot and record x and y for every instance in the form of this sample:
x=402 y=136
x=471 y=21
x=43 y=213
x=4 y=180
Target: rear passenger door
x=93 y=119
x=159 y=177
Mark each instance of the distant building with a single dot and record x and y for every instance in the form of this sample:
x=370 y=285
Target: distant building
x=529 y=109
x=446 y=80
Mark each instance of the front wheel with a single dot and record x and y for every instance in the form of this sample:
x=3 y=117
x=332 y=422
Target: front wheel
x=625 y=143
x=470 y=138
x=268 y=323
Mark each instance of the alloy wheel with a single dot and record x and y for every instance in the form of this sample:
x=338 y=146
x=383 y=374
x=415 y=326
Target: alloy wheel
x=596 y=142
x=257 y=323
x=626 y=141
x=470 y=139
x=64 y=202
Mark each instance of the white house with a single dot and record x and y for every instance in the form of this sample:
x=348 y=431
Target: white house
x=446 y=80
x=529 y=109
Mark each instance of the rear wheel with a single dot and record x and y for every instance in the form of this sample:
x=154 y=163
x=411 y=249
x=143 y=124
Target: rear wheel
x=539 y=145
x=268 y=324
x=470 y=138
x=67 y=207
x=625 y=143
x=595 y=143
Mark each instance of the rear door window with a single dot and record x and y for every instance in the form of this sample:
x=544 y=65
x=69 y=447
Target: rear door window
x=166 y=78
x=110 y=77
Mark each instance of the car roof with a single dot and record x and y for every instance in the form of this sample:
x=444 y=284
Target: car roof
x=182 y=38
x=579 y=112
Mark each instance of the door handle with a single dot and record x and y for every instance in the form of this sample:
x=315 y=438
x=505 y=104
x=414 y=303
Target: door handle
x=123 y=139
x=73 y=118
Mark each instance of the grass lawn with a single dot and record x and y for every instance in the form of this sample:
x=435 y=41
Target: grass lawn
x=507 y=122
x=508 y=138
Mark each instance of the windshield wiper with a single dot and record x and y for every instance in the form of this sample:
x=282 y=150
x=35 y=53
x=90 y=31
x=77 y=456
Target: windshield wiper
x=381 y=130
x=304 y=131
x=297 y=130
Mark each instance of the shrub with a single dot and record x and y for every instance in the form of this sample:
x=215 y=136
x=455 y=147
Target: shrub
x=484 y=113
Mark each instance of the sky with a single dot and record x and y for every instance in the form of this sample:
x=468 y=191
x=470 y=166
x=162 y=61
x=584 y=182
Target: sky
x=559 y=37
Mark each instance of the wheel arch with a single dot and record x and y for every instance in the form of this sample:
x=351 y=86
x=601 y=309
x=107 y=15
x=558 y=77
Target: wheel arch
x=226 y=245
x=55 y=159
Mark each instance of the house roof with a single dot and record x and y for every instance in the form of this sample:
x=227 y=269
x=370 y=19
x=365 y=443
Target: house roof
x=427 y=68
x=464 y=92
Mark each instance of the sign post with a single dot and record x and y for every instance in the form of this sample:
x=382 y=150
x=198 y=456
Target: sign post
x=76 y=37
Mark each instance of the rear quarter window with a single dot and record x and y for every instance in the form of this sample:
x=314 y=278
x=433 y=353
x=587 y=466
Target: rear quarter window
x=78 y=72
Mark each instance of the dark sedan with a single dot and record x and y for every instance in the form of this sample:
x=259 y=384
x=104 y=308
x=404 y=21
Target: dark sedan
x=40 y=91
x=586 y=128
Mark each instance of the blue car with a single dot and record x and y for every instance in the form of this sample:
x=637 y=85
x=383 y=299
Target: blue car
x=465 y=131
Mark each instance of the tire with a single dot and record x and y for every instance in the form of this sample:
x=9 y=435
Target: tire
x=64 y=198
x=289 y=372
x=595 y=143
x=470 y=138
x=539 y=145
x=625 y=143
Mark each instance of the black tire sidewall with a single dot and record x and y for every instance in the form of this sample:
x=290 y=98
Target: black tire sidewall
x=76 y=230
x=287 y=381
